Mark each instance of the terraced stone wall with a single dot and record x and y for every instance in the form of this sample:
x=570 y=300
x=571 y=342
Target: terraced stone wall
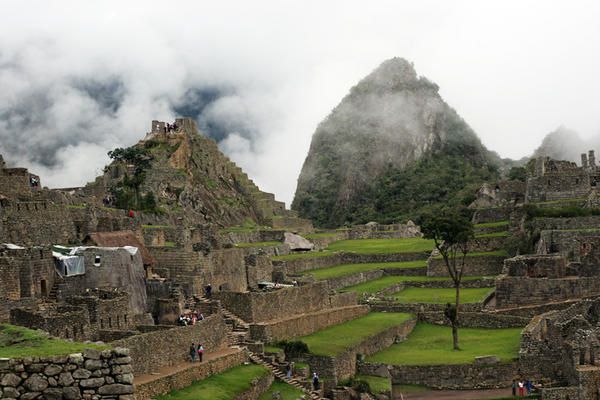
x=474 y=266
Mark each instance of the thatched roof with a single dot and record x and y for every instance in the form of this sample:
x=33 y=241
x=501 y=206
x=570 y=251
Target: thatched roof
x=120 y=239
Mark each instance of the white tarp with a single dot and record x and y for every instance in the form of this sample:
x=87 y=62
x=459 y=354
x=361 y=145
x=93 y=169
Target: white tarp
x=11 y=246
x=69 y=265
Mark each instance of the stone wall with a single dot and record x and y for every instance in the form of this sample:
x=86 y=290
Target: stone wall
x=495 y=214
x=590 y=222
x=288 y=328
x=354 y=279
x=561 y=393
x=265 y=306
x=414 y=308
x=252 y=237
x=154 y=350
x=66 y=322
x=181 y=379
x=455 y=377
x=485 y=244
x=519 y=291
x=257 y=388
x=344 y=365
x=92 y=375
x=475 y=320
x=474 y=266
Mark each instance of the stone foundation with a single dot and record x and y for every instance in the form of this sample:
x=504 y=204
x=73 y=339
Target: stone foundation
x=474 y=266
x=93 y=375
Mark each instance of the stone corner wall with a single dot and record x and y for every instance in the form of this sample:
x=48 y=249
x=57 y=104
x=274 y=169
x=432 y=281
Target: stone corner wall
x=91 y=375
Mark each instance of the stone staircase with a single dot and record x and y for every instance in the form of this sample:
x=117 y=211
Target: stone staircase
x=304 y=386
x=237 y=336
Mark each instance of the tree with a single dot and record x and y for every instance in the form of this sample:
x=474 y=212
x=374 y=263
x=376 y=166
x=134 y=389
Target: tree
x=451 y=231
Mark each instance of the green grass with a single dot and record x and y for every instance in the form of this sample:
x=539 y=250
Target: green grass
x=441 y=296
x=573 y=200
x=491 y=224
x=377 y=383
x=432 y=345
x=170 y=244
x=257 y=244
x=338 y=338
x=383 y=246
x=77 y=206
x=224 y=386
x=17 y=342
x=492 y=234
x=287 y=392
x=378 y=285
x=412 y=388
x=272 y=349
x=349 y=269
x=320 y=235
x=301 y=256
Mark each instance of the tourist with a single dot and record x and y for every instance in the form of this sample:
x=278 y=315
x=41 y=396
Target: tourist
x=289 y=370
x=528 y=386
x=514 y=388
x=200 y=317
x=315 y=381
x=193 y=352
x=521 y=388
x=200 y=352
x=208 y=291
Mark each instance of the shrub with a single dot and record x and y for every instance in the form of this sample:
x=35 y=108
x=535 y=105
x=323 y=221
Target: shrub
x=293 y=348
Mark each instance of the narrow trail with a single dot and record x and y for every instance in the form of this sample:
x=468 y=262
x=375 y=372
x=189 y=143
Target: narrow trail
x=456 y=394
x=166 y=371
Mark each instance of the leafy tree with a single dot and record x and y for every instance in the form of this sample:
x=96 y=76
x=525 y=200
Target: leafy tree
x=451 y=231
x=518 y=174
x=127 y=194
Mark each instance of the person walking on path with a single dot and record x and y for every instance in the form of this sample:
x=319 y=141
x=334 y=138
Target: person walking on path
x=200 y=352
x=289 y=370
x=193 y=352
x=315 y=381
x=521 y=389
x=514 y=388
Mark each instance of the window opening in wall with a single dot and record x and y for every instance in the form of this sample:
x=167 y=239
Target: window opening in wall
x=125 y=318
x=97 y=260
x=118 y=321
x=109 y=322
x=67 y=333
x=43 y=288
x=101 y=323
x=577 y=181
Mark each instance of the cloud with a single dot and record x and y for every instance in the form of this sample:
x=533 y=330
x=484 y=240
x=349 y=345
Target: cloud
x=80 y=78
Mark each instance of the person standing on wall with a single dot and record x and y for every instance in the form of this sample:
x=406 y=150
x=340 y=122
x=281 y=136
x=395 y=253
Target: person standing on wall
x=193 y=352
x=200 y=352
x=315 y=381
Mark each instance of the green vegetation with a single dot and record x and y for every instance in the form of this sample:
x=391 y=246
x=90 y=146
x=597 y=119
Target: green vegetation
x=432 y=345
x=320 y=235
x=249 y=225
x=300 y=256
x=157 y=227
x=561 y=212
x=272 y=349
x=170 y=244
x=492 y=224
x=287 y=392
x=224 y=386
x=376 y=383
x=338 y=338
x=77 y=206
x=492 y=235
x=440 y=296
x=349 y=269
x=382 y=246
x=412 y=389
x=16 y=342
x=378 y=285
x=257 y=244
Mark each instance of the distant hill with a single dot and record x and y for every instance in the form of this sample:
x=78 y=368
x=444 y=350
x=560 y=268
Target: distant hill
x=389 y=150
x=562 y=144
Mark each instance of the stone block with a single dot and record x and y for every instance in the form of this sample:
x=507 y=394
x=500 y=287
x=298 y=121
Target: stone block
x=121 y=360
x=121 y=352
x=76 y=358
x=52 y=370
x=35 y=383
x=53 y=394
x=71 y=393
x=11 y=393
x=81 y=374
x=116 y=388
x=10 y=380
x=30 y=395
x=65 y=379
x=93 y=354
x=125 y=378
x=482 y=360
x=92 y=382
x=93 y=364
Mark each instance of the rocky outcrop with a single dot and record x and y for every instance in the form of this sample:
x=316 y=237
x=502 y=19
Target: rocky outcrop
x=389 y=121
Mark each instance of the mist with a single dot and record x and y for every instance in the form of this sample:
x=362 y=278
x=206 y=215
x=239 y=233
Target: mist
x=81 y=78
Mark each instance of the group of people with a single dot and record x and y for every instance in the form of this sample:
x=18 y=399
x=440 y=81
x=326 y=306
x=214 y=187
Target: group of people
x=196 y=352
x=521 y=387
x=190 y=318
x=170 y=127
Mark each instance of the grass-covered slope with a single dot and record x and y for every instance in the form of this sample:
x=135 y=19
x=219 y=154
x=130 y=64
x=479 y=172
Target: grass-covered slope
x=17 y=342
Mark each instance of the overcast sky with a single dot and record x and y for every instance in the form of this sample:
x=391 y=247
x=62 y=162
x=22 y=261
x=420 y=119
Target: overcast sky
x=79 y=78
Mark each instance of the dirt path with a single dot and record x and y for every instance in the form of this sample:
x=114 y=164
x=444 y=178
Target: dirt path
x=457 y=394
x=159 y=373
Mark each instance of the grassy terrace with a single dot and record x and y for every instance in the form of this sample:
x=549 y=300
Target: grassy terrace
x=378 y=285
x=377 y=383
x=497 y=253
x=349 y=269
x=224 y=386
x=336 y=339
x=383 y=246
x=432 y=345
x=320 y=235
x=300 y=256
x=492 y=234
x=287 y=392
x=491 y=224
x=17 y=342
x=257 y=244
x=441 y=296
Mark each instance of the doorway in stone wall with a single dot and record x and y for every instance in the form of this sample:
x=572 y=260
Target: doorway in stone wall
x=44 y=288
